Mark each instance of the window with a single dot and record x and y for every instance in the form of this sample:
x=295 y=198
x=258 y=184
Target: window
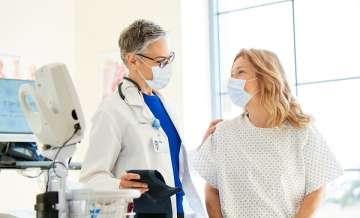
x=317 y=43
x=327 y=39
x=264 y=31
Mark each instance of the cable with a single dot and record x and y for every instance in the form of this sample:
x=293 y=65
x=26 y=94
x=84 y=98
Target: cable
x=54 y=162
x=62 y=164
x=29 y=176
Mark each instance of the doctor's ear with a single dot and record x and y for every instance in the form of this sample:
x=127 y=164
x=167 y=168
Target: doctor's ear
x=131 y=60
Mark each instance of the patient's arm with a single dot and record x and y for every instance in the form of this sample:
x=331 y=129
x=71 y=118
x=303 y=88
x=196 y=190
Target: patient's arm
x=212 y=201
x=311 y=203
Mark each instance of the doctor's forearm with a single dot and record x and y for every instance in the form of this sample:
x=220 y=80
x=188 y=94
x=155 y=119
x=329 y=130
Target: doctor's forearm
x=212 y=201
x=311 y=203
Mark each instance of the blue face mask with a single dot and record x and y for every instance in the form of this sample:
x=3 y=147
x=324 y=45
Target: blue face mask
x=237 y=93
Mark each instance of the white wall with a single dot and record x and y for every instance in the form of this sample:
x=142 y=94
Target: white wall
x=39 y=31
x=196 y=75
x=196 y=70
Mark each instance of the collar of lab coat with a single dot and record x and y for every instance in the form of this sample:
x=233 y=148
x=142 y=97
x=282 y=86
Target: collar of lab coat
x=134 y=97
x=132 y=94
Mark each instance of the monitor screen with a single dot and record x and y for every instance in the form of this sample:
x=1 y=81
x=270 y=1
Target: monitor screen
x=12 y=119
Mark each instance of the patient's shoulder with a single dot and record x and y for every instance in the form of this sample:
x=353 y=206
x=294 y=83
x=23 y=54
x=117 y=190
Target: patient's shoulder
x=228 y=126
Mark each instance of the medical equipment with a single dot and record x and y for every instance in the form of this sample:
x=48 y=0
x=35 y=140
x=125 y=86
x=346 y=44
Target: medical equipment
x=155 y=123
x=17 y=142
x=102 y=204
x=59 y=113
x=58 y=125
x=121 y=93
x=13 y=124
x=22 y=151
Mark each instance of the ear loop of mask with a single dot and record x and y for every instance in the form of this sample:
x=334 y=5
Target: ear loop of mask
x=252 y=95
x=139 y=72
x=257 y=91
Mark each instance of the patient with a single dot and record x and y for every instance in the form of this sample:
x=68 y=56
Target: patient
x=270 y=161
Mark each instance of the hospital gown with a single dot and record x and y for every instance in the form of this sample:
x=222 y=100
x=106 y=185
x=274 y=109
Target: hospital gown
x=264 y=172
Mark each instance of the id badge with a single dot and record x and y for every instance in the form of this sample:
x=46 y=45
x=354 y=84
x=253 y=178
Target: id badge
x=160 y=144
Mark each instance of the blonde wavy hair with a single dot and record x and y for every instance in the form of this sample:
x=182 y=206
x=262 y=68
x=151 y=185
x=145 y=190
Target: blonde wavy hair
x=274 y=89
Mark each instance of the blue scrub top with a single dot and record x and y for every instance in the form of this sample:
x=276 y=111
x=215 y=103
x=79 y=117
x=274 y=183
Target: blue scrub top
x=157 y=108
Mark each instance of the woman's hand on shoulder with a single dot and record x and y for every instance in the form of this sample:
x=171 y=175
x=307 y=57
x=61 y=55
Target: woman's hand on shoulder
x=211 y=129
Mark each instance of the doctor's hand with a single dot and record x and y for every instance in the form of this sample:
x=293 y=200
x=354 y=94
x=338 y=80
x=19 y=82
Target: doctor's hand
x=129 y=181
x=211 y=129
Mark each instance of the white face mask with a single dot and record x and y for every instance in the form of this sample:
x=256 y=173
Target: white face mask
x=161 y=77
x=237 y=93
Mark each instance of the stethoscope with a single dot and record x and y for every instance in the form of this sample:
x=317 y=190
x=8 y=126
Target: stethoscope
x=155 y=123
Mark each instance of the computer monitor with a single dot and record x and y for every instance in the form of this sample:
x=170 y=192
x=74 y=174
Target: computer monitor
x=13 y=124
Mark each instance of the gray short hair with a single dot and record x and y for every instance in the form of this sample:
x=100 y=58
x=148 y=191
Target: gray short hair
x=137 y=36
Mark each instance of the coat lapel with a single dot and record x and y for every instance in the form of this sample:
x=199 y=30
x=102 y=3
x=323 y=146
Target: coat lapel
x=135 y=99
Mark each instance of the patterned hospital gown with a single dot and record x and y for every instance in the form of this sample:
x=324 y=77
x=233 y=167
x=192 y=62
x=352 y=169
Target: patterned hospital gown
x=264 y=172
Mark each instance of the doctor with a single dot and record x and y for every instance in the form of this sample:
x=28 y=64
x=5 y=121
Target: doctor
x=134 y=129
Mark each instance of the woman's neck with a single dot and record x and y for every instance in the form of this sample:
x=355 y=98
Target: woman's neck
x=145 y=88
x=257 y=113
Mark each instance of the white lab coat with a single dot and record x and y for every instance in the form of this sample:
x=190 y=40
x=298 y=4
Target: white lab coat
x=119 y=141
